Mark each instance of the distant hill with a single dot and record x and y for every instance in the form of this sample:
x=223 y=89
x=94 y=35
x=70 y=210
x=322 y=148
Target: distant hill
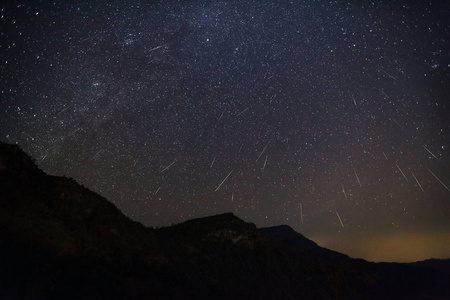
x=59 y=240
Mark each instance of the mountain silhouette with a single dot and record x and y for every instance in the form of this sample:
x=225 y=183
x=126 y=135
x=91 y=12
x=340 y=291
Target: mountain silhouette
x=59 y=240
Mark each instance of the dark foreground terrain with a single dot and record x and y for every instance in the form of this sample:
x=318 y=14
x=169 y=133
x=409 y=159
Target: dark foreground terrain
x=59 y=240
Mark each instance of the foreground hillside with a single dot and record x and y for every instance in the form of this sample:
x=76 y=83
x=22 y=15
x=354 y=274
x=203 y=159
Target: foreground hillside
x=58 y=240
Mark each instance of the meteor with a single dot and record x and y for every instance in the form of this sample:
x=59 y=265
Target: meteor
x=242 y=112
x=417 y=182
x=169 y=166
x=95 y=155
x=135 y=162
x=438 y=180
x=65 y=109
x=342 y=224
x=157 y=190
x=265 y=162
x=429 y=151
x=157 y=47
x=343 y=190
x=224 y=180
x=357 y=178
x=388 y=74
x=402 y=172
x=262 y=151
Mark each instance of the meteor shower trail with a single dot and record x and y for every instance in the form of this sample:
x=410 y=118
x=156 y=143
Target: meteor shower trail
x=439 y=180
x=224 y=180
x=342 y=224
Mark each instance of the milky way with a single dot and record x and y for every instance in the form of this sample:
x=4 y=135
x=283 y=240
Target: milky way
x=333 y=118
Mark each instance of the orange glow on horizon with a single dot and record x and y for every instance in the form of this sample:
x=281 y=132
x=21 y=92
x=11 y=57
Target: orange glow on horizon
x=404 y=247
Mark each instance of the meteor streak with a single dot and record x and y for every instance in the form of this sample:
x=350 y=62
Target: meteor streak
x=242 y=112
x=73 y=132
x=157 y=190
x=224 y=180
x=43 y=158
x=385 y=95
x=65 y=109
x=95 y=155
x=262 y=151
x=342 y=224
x=429 y=151
x=417 y=182
x=357 y=178
x=220 y=118
x=156 y=48
x=438 y=180
x=343 y=190
x=136 y=161
x=402 y=172
x=169 y=166
x=388 y=74
x=265 y=162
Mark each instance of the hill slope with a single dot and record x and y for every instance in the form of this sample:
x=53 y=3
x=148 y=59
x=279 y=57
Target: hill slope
x=60 y=240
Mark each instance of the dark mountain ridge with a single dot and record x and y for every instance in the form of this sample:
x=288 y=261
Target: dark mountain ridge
x=61 y=240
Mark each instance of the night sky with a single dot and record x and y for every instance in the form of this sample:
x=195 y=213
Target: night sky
x=331 y=117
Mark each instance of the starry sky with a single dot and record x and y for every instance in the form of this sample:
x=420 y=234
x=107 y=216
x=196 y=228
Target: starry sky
x=331 y=117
